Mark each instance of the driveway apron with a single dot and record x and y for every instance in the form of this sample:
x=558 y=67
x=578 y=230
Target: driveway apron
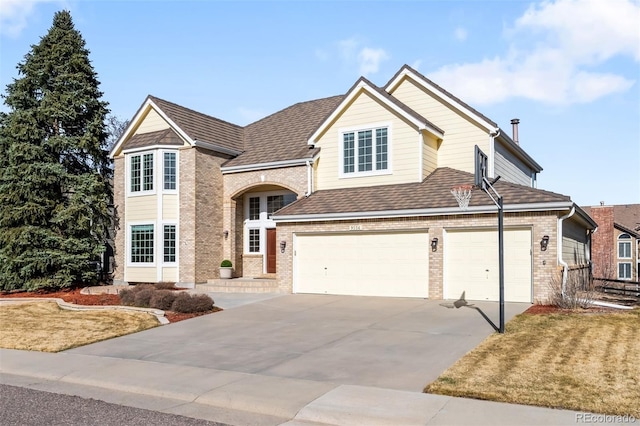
x=392 y=343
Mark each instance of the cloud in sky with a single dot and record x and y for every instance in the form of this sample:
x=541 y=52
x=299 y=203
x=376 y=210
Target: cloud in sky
x=460 y=34
x=14 y=15
x=556 y=47
x=354 y=51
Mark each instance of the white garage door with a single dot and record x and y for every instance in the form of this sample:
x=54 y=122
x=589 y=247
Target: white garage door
x=471 y=265
x=381 y=264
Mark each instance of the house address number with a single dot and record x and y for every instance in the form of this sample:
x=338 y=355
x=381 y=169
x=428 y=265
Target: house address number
x=355 y=227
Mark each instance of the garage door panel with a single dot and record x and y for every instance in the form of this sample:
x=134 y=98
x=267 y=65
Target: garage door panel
x=382 y=264
x=471 y=264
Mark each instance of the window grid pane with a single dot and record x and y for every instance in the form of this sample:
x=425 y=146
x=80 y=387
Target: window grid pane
x=169 y=243
x=142 y=244
x=274 y=203
x=254 y=240
x=147 y=172
x=624 y=271
x=254 y=208
x=365 y=150
x=381 y=149
x=624 y=250
x=169 y=170
x=349 y=152
x=135 y=173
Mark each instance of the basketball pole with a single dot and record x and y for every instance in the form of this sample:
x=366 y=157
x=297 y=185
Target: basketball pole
x=498 y=202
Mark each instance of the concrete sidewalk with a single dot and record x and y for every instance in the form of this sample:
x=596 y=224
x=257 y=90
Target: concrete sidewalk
x=287 y=359
x=250 y=399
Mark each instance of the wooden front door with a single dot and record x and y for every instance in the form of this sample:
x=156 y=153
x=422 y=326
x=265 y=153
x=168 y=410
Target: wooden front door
x=271 y=251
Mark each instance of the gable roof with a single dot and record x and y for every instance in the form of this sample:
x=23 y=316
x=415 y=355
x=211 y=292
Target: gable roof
x=282 y=136
x=201 y=127
x=195 y=128
x=432 y=196
x=385 y=98
x=461 y=106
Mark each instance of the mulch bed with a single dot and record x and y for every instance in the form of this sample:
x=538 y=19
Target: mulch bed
x=74 y=296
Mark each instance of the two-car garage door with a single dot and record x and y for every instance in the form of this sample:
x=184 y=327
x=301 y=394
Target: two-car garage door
x=471 y=264
x=365 y=264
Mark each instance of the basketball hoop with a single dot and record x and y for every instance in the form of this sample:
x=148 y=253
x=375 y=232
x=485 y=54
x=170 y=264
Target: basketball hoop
x=462 y=194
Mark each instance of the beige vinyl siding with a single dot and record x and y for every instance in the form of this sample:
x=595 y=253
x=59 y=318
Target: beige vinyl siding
x=140 y=209
x=170 y=274
x=574 y=243
x=460 y=134
x=510 y=168
x=365 y=112
x=170 y=206
x=141 y=275
x=429 y=154
x=152 y=122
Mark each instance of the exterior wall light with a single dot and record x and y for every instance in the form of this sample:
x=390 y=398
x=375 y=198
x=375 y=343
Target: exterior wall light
x=226 y=234
x=434 y=244
x=283 y=245
x=544 y=243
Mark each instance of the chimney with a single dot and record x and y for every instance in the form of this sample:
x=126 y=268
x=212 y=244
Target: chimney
x=514 y=125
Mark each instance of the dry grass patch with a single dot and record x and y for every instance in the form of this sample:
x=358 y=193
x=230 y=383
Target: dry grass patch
x=576 y=361
x=44 y=326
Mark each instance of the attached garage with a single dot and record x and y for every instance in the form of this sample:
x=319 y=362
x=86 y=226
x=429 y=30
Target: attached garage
x=471 y=264
x=365 y=264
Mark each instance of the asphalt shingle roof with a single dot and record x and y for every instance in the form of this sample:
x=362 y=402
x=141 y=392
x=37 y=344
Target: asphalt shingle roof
x=432 y=193
x=202 y=127
x=283 y=135
x=161 y=137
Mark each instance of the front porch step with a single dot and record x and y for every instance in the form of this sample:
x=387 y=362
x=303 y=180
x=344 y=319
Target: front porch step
x=239 y=285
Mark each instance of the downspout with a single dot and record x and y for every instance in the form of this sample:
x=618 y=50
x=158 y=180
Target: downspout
x=565 y=266
x=309 y=177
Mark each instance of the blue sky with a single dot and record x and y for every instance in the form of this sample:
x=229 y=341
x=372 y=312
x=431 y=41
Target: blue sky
x=569 y=69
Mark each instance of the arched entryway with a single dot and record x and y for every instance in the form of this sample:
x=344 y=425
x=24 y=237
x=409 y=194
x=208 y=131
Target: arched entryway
x=256 y=238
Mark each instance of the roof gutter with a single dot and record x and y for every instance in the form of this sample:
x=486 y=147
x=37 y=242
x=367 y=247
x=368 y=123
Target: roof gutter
x=263 y=166
x=215 y=147
x=512 y=208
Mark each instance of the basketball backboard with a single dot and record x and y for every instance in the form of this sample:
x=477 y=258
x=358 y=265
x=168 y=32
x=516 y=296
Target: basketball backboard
x=481 y=167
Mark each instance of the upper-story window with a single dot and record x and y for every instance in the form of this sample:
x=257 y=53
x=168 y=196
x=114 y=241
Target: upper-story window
x=142 y=172
x=624 y=246
x=141 y=169
x=169 y=170
x=365 y=151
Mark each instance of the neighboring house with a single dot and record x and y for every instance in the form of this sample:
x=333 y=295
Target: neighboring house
x=616 y=242
x=372 y=172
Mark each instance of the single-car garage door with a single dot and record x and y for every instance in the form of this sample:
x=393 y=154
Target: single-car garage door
x=471 y=264
x=373 y=264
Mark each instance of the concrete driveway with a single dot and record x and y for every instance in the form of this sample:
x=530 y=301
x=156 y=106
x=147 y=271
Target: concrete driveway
x=390 y=343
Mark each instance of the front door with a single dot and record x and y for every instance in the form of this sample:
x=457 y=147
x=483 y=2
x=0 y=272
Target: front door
x=271 y=251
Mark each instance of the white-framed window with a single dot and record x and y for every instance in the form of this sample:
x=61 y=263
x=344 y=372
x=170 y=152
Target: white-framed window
x=141 y=173
x=258 y=209
x=624 y=270
x=365 y=151
x=142 y=243
x=624 y=246
x=170 y=168
x=169 y=242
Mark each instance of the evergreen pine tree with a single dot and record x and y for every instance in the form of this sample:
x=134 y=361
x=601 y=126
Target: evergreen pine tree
x=55 y=179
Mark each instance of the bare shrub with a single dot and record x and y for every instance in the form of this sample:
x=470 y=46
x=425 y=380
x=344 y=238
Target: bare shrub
x=142 y=297
x=165 y=286
x=186 y=303
x=578 y=290
x=162 y=299
x=127 y=296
